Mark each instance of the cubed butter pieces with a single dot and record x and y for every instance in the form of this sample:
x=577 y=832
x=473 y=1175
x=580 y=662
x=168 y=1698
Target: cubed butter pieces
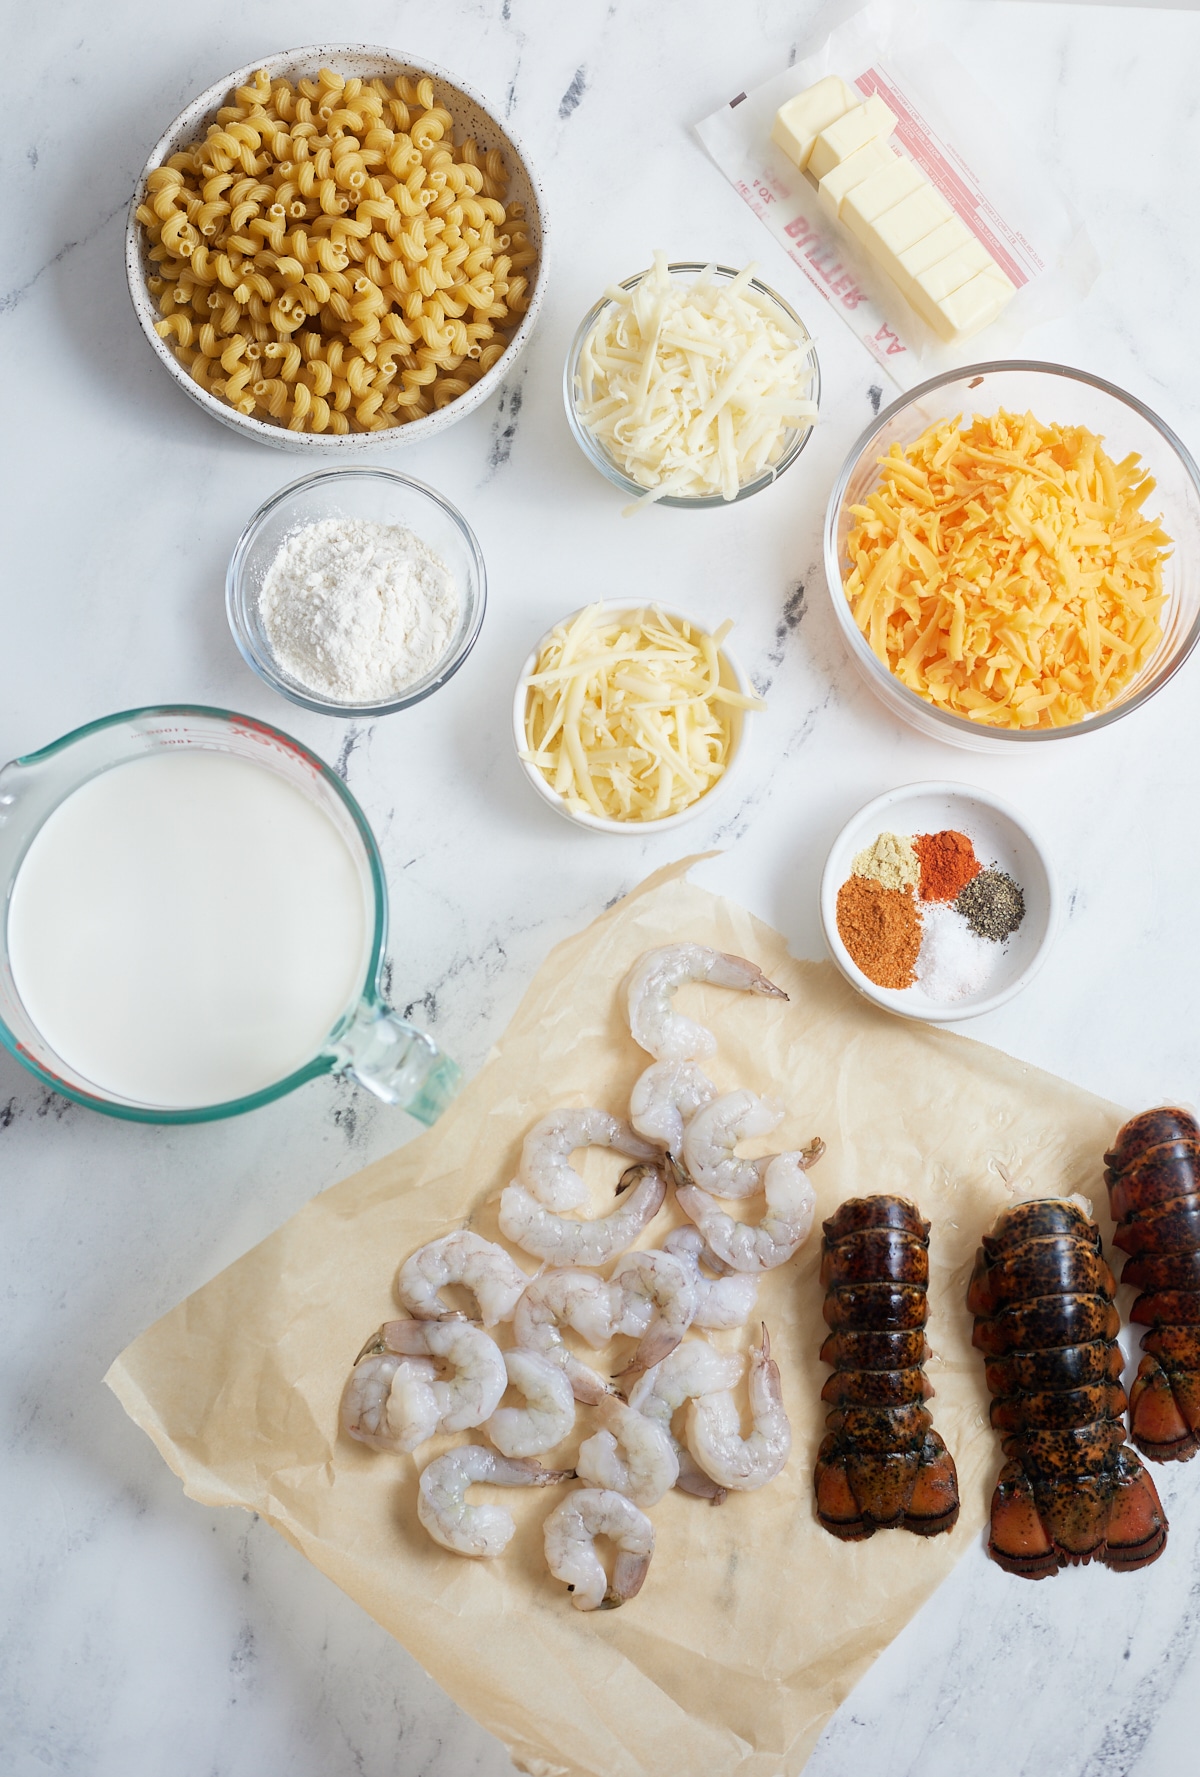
x=948 y=274
x=974 y=305
x=798 y=123
x=877 y=194
x=870 y=121
x=906 y=223
x=944 y=240
x=851 y=172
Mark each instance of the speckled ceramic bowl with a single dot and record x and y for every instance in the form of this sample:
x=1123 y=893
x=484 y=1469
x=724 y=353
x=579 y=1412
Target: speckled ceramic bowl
x=471 y=117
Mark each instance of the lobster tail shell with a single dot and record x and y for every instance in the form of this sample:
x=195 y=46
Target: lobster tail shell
x=1036 y=1219
x=1150 y=1129
x=1071 y=1490
x=881 y=1464
x=1154 y=1189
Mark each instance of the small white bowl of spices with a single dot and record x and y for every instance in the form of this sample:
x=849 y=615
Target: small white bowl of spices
x=938 y=902
x=356 y=591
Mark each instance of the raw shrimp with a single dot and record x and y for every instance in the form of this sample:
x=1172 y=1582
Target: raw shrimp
x=571 y=1530
x=714 y=1429
x=632 y=1455
x=713 y=1134
x=651 y=983
x=665 y=1099
x=548 y=1415
x=473 y=1393
x=658 y=1301
x=577 y=1299
x=495 y=1280
x=388 y=1402
x=545 y=1169
x=694 y=1368
x=564 y=1241
x=721 y=1302
x=784 y=1228
x=442 y=1498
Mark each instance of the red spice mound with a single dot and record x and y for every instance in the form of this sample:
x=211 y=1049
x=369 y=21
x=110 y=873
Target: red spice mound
x=880 y=928
x=948 y=863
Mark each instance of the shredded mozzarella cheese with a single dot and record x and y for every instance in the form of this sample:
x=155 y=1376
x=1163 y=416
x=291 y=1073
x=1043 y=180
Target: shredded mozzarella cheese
x=692 y=389
x=1005 y=571
x=626 y=716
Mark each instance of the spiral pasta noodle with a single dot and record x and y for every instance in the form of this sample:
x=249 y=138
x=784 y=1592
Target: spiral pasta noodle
x=328 y=259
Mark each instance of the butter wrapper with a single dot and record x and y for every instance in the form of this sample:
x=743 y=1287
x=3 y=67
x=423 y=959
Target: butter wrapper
x=967 y=149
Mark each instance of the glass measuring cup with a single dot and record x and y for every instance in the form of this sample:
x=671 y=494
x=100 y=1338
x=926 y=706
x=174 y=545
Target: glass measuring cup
x=370 y=1042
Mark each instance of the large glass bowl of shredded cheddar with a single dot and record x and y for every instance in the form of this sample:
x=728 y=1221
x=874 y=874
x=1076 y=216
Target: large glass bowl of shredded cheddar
x=691 y=385
x=631 y=718
x=1013 y=554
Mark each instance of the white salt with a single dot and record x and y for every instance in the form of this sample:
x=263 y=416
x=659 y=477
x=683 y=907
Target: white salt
x=954 y=961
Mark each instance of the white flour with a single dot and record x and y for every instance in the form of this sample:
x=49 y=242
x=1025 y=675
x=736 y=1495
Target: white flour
x=357 y=611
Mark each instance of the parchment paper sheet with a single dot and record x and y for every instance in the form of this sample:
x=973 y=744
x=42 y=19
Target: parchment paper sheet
x=754 y=1623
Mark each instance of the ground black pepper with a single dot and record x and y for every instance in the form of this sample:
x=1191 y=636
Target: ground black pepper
x=992 y=904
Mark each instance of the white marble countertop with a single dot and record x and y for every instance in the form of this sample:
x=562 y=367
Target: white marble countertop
x=140 y=1632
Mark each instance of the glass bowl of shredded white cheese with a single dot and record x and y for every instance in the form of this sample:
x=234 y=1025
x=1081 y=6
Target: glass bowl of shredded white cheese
x=356 y=591
x=691 y=385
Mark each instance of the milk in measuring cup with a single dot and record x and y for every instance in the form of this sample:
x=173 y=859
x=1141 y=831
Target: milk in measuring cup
x=187 y=928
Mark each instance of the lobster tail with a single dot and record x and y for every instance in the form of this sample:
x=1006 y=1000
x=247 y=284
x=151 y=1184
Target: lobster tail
x=881 y=1464
x=1153 y=1176
x=1071 y=1491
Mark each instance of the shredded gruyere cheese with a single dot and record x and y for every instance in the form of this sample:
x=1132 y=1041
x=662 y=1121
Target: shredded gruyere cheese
x=692 y=389
x=1006 y=572
x=626 y=716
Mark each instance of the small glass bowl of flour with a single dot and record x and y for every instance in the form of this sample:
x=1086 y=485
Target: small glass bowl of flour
x=356 y=591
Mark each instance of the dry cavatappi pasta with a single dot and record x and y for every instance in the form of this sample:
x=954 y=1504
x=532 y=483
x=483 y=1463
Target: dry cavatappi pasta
x=328 y=259
x=625 y=713
x=1005 y=571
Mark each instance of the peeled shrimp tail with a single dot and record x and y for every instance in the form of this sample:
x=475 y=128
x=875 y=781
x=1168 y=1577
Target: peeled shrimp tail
x=694 y=1368
x=482 y=1531
x=479 y=1377
x=570 y=1533
x=548 y=1415
x=573 y=1298
x=785 y=1226
x=658 y=1301
x=712 y=1136
x=466 y=1258
x=388 y=1402
x=545 y=1170
x=665 y=1099
x=693 y=1480
x=714 y=1429
x=651 y=984
x=561 y=1240
x=630 y=1454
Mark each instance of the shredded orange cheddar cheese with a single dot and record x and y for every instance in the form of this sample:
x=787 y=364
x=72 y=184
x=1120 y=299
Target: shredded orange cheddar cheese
x=1006 y=572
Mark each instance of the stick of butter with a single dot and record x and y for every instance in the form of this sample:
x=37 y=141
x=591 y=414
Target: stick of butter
x=798 y=123
x=851 y=172
x=838 y=140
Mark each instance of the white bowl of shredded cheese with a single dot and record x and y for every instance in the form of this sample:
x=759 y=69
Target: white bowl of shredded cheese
x=691 y=385
x=630 y=719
